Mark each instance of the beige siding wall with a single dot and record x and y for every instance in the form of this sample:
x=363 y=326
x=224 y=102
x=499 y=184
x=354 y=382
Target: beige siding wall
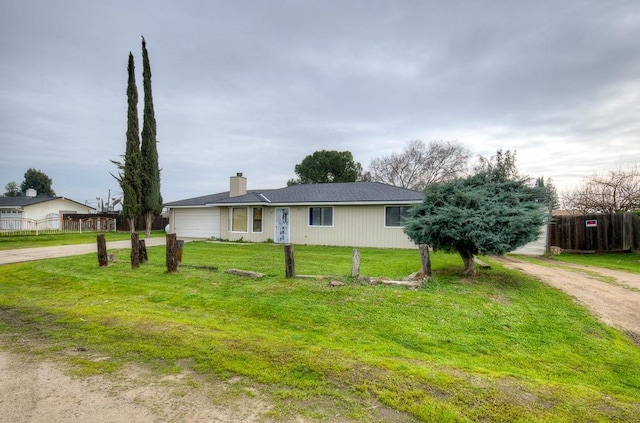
x=353 y=226
x=268 y=214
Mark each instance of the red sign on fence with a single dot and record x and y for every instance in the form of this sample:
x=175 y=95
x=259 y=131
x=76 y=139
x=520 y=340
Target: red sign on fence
x=591 y=223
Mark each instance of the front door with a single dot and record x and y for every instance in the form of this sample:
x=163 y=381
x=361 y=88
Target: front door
x=282 y=225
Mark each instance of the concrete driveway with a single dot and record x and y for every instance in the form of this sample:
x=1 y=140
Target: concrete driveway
x=30 y=254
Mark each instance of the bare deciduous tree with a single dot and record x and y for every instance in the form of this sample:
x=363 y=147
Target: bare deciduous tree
x=420 y=165
x=612 y=192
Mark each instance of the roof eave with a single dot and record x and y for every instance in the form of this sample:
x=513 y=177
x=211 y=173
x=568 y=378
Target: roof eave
x=322 y=203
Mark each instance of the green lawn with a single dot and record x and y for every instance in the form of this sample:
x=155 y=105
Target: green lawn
x=498 y=347
x=628 y=262
x=14 y=242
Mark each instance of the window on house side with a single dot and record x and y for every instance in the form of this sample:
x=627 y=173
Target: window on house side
x=394 y=216
x=320 y=216
x=239 y=219
x=257 y=219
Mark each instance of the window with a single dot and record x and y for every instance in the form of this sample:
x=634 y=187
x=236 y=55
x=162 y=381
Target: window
x=257 y=219
x=394 y=216
x=238 y=219
x=320 y=216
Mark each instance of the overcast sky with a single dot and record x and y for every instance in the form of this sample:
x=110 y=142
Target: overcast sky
x=255 y=86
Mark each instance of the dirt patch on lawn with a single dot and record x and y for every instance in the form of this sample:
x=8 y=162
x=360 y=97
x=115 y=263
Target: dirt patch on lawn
x=613 y=296
x=41 y=391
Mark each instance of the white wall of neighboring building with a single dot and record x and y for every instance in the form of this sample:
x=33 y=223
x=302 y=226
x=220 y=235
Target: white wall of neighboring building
x=42 y=210
x=535 y=248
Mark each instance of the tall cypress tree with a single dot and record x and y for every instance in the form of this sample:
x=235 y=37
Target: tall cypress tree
x=129 y=175
x=151 y=197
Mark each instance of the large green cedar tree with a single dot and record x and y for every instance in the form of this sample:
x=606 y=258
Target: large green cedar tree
x=483 y=213
x=129 y=176
x=151 y=200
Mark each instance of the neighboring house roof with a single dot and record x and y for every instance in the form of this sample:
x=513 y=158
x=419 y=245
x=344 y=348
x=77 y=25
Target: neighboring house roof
x=22 y=202
x=345 y=192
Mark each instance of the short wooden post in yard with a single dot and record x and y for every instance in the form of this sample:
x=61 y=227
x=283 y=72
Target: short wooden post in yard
x=135 y=250
x=179 y=249
x=103 y=258
x=355 y=263
x=425 y=260
x=172 y=248
x=289 y=263
x=143 y=251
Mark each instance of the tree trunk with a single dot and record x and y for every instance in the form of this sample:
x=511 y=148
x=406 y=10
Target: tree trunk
x=132 y=224
x=148 y=220
x=467 y=258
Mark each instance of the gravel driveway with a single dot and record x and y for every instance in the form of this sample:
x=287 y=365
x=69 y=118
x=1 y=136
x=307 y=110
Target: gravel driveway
x=613 y=296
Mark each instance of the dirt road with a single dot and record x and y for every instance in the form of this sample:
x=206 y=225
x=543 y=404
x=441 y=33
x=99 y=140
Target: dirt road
x=41 y=253
x=613 y=296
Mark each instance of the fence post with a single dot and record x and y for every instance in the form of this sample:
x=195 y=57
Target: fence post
x=143 y=251
x=289 y=263
x=179 y=248
x=135 y=250
x=355 y=263
x=425 y=260
x=103 y=258
x=172 y=248
x=627 y=232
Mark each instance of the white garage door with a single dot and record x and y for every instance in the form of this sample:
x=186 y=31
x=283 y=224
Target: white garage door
x=197 y=223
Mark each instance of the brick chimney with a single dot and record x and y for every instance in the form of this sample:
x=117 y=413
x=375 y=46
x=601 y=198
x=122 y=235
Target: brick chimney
x=238 y=185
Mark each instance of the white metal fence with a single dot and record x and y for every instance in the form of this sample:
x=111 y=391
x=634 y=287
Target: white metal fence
x=55 y=225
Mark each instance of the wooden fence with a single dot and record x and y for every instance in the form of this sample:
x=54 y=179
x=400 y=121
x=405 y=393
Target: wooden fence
x=595 y=233
x=122 y=224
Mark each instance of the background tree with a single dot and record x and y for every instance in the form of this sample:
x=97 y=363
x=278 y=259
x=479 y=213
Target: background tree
x=11 y=189
x=129 y=176
x=501 y=166
x=420 y=165
x=482 y=213
x=38 y=180
x=551 y=198
x=615 y=191
x=327 y=166
x=151 y=201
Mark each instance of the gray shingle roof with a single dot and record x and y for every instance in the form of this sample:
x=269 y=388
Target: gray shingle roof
x=347 y=192
x=199 y=201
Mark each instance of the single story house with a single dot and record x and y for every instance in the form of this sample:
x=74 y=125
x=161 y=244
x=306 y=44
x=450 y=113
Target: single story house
x=14 y=211
x=355 y=214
